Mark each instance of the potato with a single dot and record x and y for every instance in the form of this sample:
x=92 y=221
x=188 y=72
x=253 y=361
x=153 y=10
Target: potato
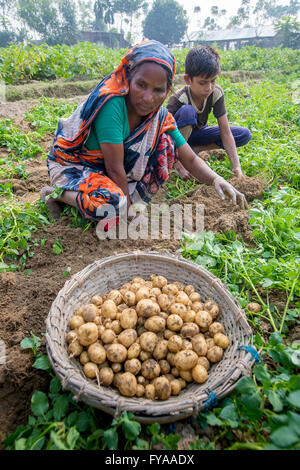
x=161 y=349
x=75 y=348
x=97 y=300
x=147 y=308
x=216 y=327
x=98 y=320
x=170 y=377
x=116 y=379
x=164 y=302
x=127 y=384
x=127 y=337
x=128 y=318
x=155 y=324
x=203 y=319
x=189 y=316
x=185 y=360
x=168 y=333
x=141 y=380
x=148 y=341
x=221 y=340
x=116 y=327
x=139 y=279
x=195 y=297
x=210 y=342
x=140 y=390
x=189 y=329
x=75 y=322
x=91 y=370
x=174 y=322
x=150 y=369
x=254 y=307
x=96 y=353
x=196 y=306
x=134 y=351
x=175 y=371
x=129 y=298
x=101 y=329
x=159 y=281
x=106 y=376
x=133 y=366
x=178 y=309
x=189 y=289
x=115 y=296
x=109 y=309
x=142 y=293
x=175 y=343
x=108 y=336
x=150 y=391
x=144 y=355
x=171 y=358
x=116 y=367
x=164 y=366
x=89 y=312
x=214 y=354
x=211 y=307
x=71 y=336
x=84 y=358
x=182 y=298
x=203 y=361
x=182 y=382
x=199 y=374
x=186 y=375
x=186 y=344
x=179 y=285
x=135 y=286
x=155 y=292
x=116 y=353
x=107 y=322
x=199 y=345
x=175 y=387
x=162 y=388
x=87 y=333
x=170 y=289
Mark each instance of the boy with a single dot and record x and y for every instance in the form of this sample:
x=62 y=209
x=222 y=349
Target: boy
x=192 y=104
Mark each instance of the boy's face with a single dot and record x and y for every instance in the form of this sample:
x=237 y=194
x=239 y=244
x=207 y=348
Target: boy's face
x=201 y=86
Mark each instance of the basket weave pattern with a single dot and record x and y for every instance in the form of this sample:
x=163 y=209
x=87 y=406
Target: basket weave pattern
x=110 y=273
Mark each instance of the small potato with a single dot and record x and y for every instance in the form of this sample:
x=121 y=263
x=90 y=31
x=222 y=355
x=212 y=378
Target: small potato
x=195 y=297
x=134 y=351
x=96 y=353
x=168 y=333
x=175 y=387
x=139 y=279
x=150 y=391
x=133 y=366
x=108 y=336
x=150 y=369
x=175 y=371
x=204 y=362
x=159 y=281
x=141 y=380
x=142 y=293
x=179 y=285
x=148 y=341
x=155 y=324
x=89 y=312
x=170 y=289
x=71 y=336
x=109 y=309
x=116 y=379
x=182 y=382
x=87 y=333
x=155 y=292
x=162 y=388
x=127 y=337
x=107 y=322
x=164 y=302
x=91 y=370
x=174 y=322
x=115 y=296
x=178 y=309
x=127 y=384
x=106 y=376
x=84 y=358
x=171 y=358
x=164 y=366
x=75 y=322
x=196 y=306
x=221 y=340
x=189 y=316
x=182 y=298
x=144 y=355
x=186 y=344
x=214 y=354
x=161 y=350
x=215 y=328
x=75 y=348
x=170 y=377
x=128 y=318
x=210 y=342
x=79 y=311
x=129 y=298
x=116 y=367
x=140 y=390
x=203 y=319
x=189 y=289
x=199 y=374
x=199 y=345
x=254 y=307
x=189 y=330
x=116 y=327
x=104 y=364
x=211 y=307
x=97 y=300
x=98 y=320
x=175 y=343
x=147 y=308
x=135 y=286
x=101 y=329
x=116 y=353
x=186 y=375
x=185 y=360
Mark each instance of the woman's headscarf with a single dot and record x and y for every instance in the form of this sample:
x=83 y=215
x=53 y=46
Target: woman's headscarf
x=72 y=132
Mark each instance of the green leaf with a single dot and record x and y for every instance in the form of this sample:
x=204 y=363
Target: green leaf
x=42 y=362
x=20 y=444
x=131 y=429
x=111 y=438
x=82 y=421
x=55 y=385
x=294 y=398
x=284 y=437
x=261 y=373
x=57 y=441
x=39 y=403
x=275 y=400
x=212 y=420
x=72 y=437
x=60 y=407
x=230 y=415
x=27 y=343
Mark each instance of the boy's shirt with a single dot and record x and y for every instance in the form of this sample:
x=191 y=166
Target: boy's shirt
x=214 y=102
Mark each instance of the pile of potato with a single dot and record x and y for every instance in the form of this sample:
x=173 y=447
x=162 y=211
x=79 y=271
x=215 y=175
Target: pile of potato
x=148 y=339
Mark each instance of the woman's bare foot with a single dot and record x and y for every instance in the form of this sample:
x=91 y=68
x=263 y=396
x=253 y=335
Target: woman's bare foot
x=53 y=205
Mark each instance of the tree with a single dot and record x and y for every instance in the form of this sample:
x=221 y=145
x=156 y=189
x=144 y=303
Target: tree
x=211 y=23
x=166 y=22
x=288 y=29
x=104 y=14
x=131 y=9
x=10 y=29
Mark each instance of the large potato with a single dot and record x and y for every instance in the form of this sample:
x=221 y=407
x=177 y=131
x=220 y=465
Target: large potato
x=133 y=366
x=161 y=350
x=127 y=384
x=155 y=324
x=164 y=302
x=129 y=298
x=203 y=319
x=175 y=344
x=189 y=330
x=87 y=333
x=199 y=345
x=185 y=360
x=116 y=353
x=221 y=340
x=127 y=337
x=147 y=308
x=162 y=388
x=142 y=293
x=96 y=353
x=150 y=369
x=148 y=341
x=214 y=354
x=174 y=322
x=211 y=307
x=199 y=374
x=109 y=309
x=89 y=312
x=106 y=376
x=115 y=296
x=128 y=318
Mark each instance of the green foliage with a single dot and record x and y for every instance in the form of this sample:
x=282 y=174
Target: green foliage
x=44 y=117
x=20 y=144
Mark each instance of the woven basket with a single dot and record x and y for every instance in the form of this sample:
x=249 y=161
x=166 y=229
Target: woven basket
x=110 y=273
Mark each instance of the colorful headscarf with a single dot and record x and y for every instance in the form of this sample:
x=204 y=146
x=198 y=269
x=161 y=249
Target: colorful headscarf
x=71 y=134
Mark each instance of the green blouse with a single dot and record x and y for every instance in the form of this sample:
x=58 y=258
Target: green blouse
x=111 y=126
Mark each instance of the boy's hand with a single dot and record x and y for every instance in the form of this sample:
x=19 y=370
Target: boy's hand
x=222 y=187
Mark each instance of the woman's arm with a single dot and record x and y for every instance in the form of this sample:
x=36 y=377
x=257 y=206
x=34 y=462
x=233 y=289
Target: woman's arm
x=204 y=174
x=229 y=145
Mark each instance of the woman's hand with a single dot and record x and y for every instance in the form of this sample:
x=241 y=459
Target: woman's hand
x=222 y=188
x=238 y=172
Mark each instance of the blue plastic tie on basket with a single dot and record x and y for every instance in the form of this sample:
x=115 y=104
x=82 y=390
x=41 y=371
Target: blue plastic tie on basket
x=211 y=401
x=251 y=350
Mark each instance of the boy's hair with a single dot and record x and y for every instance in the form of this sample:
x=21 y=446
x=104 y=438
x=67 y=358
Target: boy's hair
x=202 y=60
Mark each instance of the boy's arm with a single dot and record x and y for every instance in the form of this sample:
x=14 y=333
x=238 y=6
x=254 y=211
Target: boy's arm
x=229 y=145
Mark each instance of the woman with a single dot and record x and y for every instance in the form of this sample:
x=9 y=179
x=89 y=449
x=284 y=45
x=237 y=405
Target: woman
x=120 y=145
